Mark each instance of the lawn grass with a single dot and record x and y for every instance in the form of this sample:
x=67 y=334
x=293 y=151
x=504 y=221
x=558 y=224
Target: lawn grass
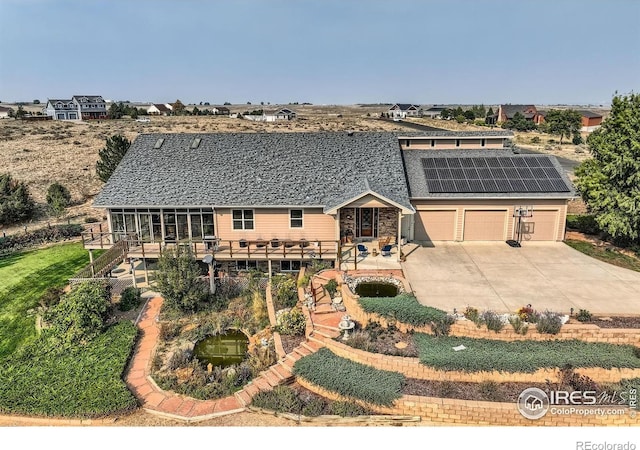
x=602 y=254
x=43 y=378
x=23 y=278
x=520 y=356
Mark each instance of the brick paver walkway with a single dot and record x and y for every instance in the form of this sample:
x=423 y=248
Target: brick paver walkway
x=168 y=404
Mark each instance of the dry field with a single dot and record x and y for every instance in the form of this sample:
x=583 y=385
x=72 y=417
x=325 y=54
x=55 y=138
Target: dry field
x=40 y=153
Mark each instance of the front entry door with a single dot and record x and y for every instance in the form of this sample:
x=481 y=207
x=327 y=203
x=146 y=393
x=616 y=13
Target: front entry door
x=366 y=222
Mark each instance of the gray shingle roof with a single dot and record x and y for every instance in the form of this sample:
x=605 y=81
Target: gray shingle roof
x=257 y=169
x=418 y=183
x=510 y=110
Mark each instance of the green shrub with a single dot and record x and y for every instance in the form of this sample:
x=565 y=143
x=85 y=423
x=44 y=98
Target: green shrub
x=636 y=352
x=16 y=204
x=360 y=340
x=348 y=409
x=549 y=323
x=442 y=326
x=91 y=220
x=583 y=316
x=331 y=287
x=279 y=399
x=404 y=308
x=169 y=330
x=129 y=299
x=519 y=326
x=292 y=323
x=58 y=198
x=473 y=315
x=492 y=320
x=80 y=315
x=584 y=223
x=350 y=379
x=51 y=297
x=520 y=356
x=314 y=407
x=16 y=242
x=535 y=140
x=284 y=291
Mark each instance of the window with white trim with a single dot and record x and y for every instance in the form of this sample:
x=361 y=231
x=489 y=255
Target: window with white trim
x=290 y=266
x=242 y=219
x=295 y=218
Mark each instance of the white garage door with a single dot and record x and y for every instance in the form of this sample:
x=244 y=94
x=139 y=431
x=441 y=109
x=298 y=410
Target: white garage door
x=541 y=227
x=435 y=226
x=485 y=225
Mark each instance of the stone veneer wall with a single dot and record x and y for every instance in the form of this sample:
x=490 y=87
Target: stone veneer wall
x=345 y=223
x=583 y=332
x=445 y=411
x=388 y=224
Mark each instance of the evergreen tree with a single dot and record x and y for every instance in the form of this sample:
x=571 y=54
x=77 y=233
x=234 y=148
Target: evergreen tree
x=16 y=204
x=58 y=198
x=111 y=155
x=609 y=182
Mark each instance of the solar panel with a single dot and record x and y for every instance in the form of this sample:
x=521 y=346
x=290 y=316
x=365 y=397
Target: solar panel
x=440 y=163
x=454 y=162
x=428 y=163
x=532 y=161
x=462 y=186
x=493 y=174
x=471 y=174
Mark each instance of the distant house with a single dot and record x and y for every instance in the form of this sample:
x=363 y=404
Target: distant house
x=79 y=107
x=590 y=120
x=530 y=113
x=159 y=109
x=4 y=112
x=220 y=111
x=62 y=109
x=402 y=110
x=90 y=106
x=272 y=116
x=433 y=112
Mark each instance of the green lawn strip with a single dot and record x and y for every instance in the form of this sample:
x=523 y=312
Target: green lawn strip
x=520 y=356
x=404 y=308
x=358 y=381
x=600 y=253
x=84 y=381
x=24 y=277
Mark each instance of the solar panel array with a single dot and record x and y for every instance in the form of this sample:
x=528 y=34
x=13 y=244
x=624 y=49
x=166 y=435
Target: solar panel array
x=501 y=174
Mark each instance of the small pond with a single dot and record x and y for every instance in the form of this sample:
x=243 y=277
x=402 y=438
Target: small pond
x=372 y=289
x=223 y=349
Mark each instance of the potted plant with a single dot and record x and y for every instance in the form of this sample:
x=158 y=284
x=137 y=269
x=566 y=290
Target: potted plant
x=243 y=243
x=275 y=243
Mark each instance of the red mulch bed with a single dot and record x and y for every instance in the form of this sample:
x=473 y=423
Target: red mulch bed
x=487 y=391
x=616 y=322
x=291 y=342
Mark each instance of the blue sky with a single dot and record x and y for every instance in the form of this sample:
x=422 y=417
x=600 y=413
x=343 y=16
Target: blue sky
x=321 y=51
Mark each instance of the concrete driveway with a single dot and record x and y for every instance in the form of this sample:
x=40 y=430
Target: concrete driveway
x=501 y=278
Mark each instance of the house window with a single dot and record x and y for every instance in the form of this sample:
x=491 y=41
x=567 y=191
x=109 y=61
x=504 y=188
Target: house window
x=246 y=265
x=483 y=142
x=243 y=219
x=457 y=142
x=289 y=266
x=295 y=218
x=433 y=142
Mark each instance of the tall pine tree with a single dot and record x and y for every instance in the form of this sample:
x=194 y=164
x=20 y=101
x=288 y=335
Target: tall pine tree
x=111 y=155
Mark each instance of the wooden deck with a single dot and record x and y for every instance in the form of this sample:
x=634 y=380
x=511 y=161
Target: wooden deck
x=225 y=250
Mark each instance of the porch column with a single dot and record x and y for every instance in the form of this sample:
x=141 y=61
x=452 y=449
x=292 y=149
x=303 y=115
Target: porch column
x=399 y=234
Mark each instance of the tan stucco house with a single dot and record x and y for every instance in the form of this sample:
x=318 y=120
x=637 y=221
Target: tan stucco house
x=276 y=200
